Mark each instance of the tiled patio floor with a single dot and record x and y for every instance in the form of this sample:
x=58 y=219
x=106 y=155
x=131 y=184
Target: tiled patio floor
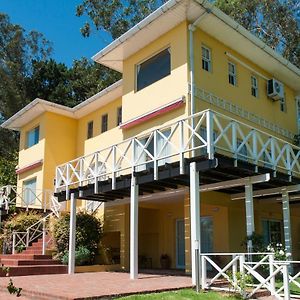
x=91 y=285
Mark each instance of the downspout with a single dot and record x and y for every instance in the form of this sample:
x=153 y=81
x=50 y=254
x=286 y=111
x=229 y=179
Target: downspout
x=192 y=28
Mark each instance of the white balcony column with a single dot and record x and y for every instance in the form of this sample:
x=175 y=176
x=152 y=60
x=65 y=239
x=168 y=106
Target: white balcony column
x=287 y=223
x=134 y=219
x=250 y=228
x=195 y=219
x=72 y=241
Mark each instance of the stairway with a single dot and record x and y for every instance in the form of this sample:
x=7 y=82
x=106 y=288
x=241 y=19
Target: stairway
x=31 y=262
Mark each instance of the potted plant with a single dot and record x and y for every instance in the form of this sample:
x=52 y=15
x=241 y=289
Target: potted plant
x=165 y=261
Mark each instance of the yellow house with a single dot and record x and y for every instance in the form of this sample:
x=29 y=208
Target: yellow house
x=194 y=145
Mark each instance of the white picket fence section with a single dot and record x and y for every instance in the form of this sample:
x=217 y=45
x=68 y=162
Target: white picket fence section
x=231 y=272
x=211 y=133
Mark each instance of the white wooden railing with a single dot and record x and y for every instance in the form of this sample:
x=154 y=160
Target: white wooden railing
x=236 y=270
x=39 y=199
x=212 y=133
x=40 y=229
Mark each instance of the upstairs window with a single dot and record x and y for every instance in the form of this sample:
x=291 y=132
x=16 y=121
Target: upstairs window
x=254 y=86
x=104 y=123
x=282 y=103
x=32 y=137
x=232 y=79
x=206 y=59
x=119 y=115
x=90 y=130
x=153 y=69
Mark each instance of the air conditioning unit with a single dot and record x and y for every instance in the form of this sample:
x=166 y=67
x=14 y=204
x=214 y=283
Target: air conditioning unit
x=275 y=89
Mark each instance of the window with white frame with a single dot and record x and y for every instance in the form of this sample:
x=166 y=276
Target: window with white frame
x=282 y=104
x=90 y=129
x=119 y=115
x=254 y=86
x=29 y=191
x=32 y=137
x=153 y=69
x=272 y=231
x=104 y=123
x=206 y=59
x=232 y=77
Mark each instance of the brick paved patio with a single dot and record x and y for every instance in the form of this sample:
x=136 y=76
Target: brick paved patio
x=91 y=285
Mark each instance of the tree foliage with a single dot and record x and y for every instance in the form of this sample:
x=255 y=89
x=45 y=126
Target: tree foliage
x=276 y=22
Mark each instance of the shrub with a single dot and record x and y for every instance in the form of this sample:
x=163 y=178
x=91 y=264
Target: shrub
x=88 y=234
x=82 y=257
x=17 y=222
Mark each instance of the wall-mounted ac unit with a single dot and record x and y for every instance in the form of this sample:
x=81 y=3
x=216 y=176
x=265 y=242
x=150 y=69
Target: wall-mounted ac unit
x=275 y=89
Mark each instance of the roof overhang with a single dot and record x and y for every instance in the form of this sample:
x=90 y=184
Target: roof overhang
x=215 y=23
x=39 y=106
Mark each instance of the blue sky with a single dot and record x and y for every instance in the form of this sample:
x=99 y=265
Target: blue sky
x=57 y=21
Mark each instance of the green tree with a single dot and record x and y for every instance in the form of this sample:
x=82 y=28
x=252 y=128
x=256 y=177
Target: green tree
x=274 y=21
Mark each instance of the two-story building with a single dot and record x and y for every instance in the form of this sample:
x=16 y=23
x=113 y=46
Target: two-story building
x=195 y=143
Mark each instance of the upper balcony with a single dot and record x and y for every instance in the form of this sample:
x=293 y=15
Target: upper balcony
x=224 y=149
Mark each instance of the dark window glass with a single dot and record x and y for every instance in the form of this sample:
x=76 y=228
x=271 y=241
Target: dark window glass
x=119 y=115
x=104 y=122
x=153 y=69
x=90 y=130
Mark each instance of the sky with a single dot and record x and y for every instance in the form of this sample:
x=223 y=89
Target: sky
x=56 y=19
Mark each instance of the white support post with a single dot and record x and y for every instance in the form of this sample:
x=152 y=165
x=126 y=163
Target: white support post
x=210 y=134
x=72 y=241
x=14 y=242
x=195 y=217
x=271 y=267
x=287 y=223
x=44 y=237
x=285 y=273
x=249 y=214
x=134 y=194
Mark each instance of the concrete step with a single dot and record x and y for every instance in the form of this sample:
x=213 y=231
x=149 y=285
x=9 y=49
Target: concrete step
x=25 y=262
x=35 y=270
x=32 y=251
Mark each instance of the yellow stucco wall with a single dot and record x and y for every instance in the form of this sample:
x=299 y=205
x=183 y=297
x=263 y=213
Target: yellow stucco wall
x=217 y=83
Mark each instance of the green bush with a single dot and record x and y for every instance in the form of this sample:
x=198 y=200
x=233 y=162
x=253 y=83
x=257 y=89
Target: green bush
x=88 y=234
x=82 y=257
x=17 y=222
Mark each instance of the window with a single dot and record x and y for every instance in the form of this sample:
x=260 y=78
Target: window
x=32 y=137
x=153 y=69
x=282 y=103
x=29 y=190
x=272 y=231
x=104 y=123
x=90 y=129
x=206 y=59
x=119 y=115
x=254 y=86
x=232 y=73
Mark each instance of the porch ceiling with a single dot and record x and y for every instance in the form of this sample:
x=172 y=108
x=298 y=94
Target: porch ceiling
x=220 y=169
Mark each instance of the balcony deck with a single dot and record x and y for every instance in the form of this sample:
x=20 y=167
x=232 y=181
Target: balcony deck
x=223 y=148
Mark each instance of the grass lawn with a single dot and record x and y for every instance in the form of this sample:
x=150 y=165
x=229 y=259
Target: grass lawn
x=185 y=294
